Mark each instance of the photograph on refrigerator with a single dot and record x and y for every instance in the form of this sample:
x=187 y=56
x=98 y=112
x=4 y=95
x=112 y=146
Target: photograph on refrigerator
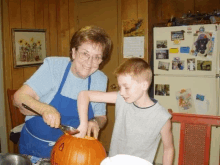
x=162 y=44
x=177 y=64
x=203 y=43
x=163 y=65
x=191 y=64
x=162 y=89
x=204 y=65
x=177 y=35
x=162 y=54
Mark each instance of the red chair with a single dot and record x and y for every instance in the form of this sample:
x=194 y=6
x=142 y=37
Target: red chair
x=195 y=137
x=17 y=118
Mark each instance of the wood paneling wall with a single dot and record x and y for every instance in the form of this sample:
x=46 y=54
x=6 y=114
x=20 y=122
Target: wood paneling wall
x=165 y=9
x=56 y=16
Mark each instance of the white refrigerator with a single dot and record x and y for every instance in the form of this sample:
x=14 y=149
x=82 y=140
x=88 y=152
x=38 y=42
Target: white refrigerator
x=186 y=75
x=186 y=68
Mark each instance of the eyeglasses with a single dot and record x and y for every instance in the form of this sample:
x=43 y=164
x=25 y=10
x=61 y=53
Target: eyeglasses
x=86 y=56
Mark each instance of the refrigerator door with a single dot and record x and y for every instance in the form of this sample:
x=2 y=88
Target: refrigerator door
x=175 y=47
x=197 y=95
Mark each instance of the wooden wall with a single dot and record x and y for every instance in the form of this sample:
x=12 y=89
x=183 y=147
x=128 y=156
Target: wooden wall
x=167 y=8
x=56 y=16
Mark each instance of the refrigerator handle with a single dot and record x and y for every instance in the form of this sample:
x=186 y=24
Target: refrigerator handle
x=218 y=94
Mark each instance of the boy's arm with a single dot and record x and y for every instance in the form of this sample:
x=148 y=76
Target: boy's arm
x=83 y=100
x=167 y=139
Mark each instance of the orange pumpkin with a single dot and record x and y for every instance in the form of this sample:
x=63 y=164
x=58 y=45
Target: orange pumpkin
x=70 y=150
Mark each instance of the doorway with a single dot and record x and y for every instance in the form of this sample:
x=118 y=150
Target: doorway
x=102 y=13
x=3 y=134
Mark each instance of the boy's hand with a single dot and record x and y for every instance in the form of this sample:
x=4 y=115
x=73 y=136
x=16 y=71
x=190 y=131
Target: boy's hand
x=82 y=131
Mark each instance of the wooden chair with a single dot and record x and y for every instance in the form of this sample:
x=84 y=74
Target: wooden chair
x=17 y=118
x=195 y=137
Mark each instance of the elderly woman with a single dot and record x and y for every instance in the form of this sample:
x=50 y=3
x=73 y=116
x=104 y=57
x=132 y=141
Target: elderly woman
x=52 y=91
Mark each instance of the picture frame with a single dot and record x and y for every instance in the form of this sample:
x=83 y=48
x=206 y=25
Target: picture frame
x=29 y=47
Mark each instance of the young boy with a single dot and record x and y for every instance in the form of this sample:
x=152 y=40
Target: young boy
x=140 y=121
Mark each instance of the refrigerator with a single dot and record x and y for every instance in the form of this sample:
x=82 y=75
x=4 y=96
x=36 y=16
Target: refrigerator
x=186 y=75
x=186 y=68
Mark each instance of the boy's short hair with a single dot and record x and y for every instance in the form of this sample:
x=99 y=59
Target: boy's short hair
x=137 y=68
x=95 y=35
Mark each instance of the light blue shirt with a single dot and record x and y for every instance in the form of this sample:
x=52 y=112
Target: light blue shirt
x=46 y=81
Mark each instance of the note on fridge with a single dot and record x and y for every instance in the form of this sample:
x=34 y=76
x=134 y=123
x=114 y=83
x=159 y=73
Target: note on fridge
x=201 y=104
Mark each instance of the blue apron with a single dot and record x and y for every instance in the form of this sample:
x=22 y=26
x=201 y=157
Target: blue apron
x=37 y=138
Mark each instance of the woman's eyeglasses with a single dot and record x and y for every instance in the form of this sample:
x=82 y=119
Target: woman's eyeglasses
x=86 y=56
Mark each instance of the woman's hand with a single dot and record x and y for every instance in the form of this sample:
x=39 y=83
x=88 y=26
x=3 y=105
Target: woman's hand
x=82 y=130
x=93 y=128
x=51 y=117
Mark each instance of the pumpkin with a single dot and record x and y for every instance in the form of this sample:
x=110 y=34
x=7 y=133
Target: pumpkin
x=70 y=150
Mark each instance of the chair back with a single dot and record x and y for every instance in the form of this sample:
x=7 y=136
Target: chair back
x=17 y=117
x=195 y=137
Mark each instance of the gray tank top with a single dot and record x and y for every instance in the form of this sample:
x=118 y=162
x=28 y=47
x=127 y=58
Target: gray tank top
x=137 y=130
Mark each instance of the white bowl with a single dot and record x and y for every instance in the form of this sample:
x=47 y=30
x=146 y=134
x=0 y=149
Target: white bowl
x=121 y=159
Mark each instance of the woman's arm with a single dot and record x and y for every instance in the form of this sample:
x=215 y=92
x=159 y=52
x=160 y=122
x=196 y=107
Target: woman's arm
x=101 y=120
x=83 y=100
x=95 y=125
x=29 y=97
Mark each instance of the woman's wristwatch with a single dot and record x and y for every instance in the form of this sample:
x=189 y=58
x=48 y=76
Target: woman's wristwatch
x=95 y=120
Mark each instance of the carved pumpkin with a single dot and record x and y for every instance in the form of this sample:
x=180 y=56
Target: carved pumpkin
x=70 y=150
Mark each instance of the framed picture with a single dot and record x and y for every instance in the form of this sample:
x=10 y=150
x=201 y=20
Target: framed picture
x=29 y=47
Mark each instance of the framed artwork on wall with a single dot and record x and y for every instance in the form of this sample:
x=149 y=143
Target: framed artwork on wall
x=29 y=47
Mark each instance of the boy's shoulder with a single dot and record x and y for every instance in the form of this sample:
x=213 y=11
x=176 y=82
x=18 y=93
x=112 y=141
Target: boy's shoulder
x=162 y=111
